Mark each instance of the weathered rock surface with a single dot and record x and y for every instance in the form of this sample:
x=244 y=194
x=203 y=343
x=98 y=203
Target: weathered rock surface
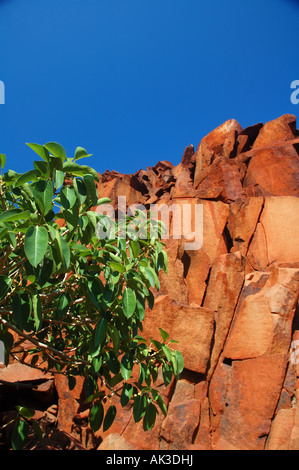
x=231 y=300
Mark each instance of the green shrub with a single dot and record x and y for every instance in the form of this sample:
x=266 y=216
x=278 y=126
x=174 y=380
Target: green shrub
x=79 y=299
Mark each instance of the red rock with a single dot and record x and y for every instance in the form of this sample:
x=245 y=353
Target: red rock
x=198 y=328
x=242 y=221
x=294 y=437
x=280 y=129
x=204 y=157
x=225 y=284
x=189 y=268
x=275 y=239
x=17 y=372
x=216 y=138
x=202 y=436
x=182 y=419
x=115 y=441
x=273 y=172
x=263 y=320
x=281 y=428
x=68 y=401
x=120 y=186
x=188 y=156
x=247 y=137
x=215 y=215
x=252 y=395
x=197 y=267
x=231 y=301
x=224 y=173
x=173 y=283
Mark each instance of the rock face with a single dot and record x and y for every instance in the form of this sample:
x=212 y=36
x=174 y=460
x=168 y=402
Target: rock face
x=232 y=303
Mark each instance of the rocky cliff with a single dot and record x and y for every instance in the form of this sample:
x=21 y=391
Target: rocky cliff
x=232 y=304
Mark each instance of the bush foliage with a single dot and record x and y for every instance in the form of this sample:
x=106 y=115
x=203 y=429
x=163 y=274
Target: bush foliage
x=78 y=298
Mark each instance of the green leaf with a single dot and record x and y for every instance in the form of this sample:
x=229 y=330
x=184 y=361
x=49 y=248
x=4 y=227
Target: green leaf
x=115 y=380
x=80 y=189
x=160 y=402
x=37 y=429
x=117 y=266
x=40 y=150
x=164 y=334
x=58 y=178
x=152 y=277
x=30 y=175
x=80 y=152
x=100 y=332
x=42 y=167
x=5 y=284
x=126 y=394
x=12 y=215
x=26 y=412
x=109 y=418
x=103 y=200
x=150 y=300
x=112 y=362
x=167 y=352
x=80 y=170
x=68 y=197
x=19 y=434
x=167 y=374
x=62 y=305
x=97 y=363
x=126 y=366
x=149 y=417
x=139 y=407
x=144 y=375
x=128 y=302
x=55 y=163
x=115 y=336
x=43 y=195
x=140 y=307
x=2 y=160
x=37 y=311
x=180 y=362
x=91 y=171
x=63 y=251
x=163 y=261
x=21 y=308
x=135 y=248
x=91 y=188
x=36 y=244
x=96 y=416
x=56 y=150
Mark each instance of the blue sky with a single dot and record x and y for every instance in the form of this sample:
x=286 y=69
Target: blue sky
x=136 y=81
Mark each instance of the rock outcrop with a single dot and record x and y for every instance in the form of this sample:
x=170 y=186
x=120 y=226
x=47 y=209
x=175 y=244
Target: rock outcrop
x=232 y=303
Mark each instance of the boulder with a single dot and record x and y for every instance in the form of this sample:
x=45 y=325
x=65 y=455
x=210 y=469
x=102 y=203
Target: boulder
x=273 y=172
x=263 y=320
x=225 y=284
x=275 y=240
x=115 y=441
x=282 y=129
x=185 y=324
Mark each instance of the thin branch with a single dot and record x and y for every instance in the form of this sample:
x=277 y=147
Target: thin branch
x=44 y=346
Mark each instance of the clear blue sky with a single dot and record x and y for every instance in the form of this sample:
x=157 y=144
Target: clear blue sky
x=136 y=81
